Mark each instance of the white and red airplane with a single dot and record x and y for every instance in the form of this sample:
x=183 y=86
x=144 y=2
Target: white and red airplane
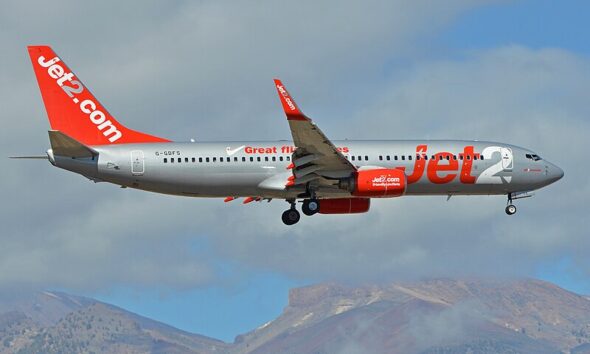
x=329 y=177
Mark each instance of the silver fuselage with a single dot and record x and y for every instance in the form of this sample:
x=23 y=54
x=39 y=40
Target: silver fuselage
x=242 y=169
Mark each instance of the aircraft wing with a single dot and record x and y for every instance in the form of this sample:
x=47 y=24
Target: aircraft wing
x=316 y=158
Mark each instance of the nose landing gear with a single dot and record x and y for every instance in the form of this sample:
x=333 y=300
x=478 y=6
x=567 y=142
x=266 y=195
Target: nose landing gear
x=510 y=208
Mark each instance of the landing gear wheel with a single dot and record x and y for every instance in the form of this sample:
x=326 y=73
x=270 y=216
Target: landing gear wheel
x=291 y=216
x=310 y=207
x=510 y=209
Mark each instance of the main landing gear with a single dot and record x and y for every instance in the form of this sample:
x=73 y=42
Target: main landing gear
x=310 y=207
x=291 y=216
x=510 y=208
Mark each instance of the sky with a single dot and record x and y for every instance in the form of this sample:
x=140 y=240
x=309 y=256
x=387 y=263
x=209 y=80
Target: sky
x=509 y=71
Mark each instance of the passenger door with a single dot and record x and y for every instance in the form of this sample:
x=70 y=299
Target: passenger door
x=137 y=163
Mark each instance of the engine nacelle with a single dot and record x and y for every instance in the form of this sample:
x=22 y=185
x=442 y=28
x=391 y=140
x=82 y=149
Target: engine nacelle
x=378 y=183
x=344 y=206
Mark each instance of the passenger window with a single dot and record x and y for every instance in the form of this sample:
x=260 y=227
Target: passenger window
x=410 y=157
x=425 y=157
x=454 y=157
x=461 y=157
x=448 y=157
x=288 y=158
x=366 y=158
x=274 y=158
x=172 y=160
x=200 y=159
x=251 y=159
x=360 y=158
x=258 y=158
x=417 y=157
x=207 y=159
x=481 y=157
x=165 y=160
x=214 y=159
x=387 y=158
x=403 y=157
x=179 y=159
x=395 y=157
x=186 y=159
x=265 y=158
x=280 y=158
x=468 y=157
x=235 y=159
x=243 y=158
x=193 y=159
x=380 y=157
x=352 y=157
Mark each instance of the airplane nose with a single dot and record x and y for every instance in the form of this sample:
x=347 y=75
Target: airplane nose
x=555 y=173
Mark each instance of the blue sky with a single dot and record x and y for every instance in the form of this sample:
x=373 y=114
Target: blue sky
x=536 y=24
x=371 y=69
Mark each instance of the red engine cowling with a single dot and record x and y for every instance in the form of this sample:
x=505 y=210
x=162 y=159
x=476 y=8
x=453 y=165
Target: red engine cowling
x=344 y=206
x=383 y=183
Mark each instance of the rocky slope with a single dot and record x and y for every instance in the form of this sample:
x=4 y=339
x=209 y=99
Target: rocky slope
x=51 y=322
x=438 y=316
x=435 y=316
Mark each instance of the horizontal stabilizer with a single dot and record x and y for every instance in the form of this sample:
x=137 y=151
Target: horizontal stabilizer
x=29 y=157
x=63 y=145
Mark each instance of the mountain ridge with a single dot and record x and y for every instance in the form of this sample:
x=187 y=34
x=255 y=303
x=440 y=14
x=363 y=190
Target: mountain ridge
x=428 y=316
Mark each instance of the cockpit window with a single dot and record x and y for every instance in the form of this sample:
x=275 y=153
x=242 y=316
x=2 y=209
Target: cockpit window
x=533 y=157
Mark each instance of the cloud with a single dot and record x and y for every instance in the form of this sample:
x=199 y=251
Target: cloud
x=455 y=324
x=512 y=94
x=203 y=69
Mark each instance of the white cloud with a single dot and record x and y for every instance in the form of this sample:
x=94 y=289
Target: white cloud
x=513 y=94
x=203 y=70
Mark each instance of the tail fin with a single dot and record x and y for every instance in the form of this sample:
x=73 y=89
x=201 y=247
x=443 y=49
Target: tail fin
x=72 y=109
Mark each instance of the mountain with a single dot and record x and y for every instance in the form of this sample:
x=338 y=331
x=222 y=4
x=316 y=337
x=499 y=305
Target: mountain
x=435 y=316
x=52 y=323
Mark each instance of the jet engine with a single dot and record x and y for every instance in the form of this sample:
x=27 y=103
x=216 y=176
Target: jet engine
x=376 y=183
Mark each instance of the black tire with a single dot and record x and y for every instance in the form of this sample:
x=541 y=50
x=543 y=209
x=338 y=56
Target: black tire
x=510 y=209
x=310 y=207
x=291 y=217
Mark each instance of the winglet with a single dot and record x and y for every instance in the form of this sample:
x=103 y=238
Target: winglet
x=289 y=106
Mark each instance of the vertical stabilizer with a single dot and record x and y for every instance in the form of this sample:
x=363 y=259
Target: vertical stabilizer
x=71 y=107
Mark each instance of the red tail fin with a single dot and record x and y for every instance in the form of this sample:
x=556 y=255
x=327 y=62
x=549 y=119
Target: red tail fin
x=72 y=109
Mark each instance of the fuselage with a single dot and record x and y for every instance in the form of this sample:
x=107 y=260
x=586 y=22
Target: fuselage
x=242 y=169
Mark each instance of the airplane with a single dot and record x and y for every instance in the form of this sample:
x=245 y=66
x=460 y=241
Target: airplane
x=326 y=176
